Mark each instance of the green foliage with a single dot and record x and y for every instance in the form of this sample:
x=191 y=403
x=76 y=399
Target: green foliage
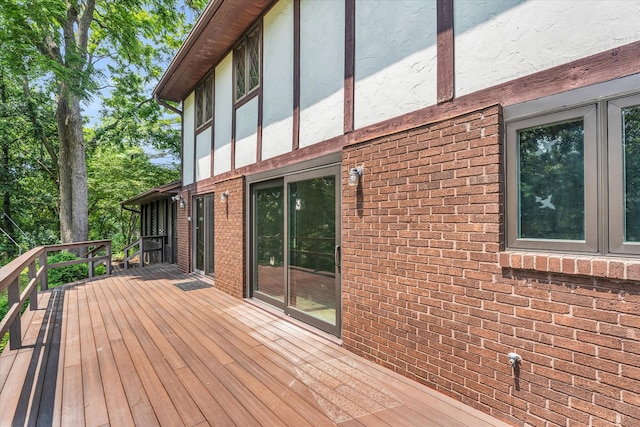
x=68 y=274
x=101 y=51
x=116 y=173
x=631 y=120
x=552 y=168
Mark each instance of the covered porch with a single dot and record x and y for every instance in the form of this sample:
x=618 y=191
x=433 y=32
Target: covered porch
x=153 y=346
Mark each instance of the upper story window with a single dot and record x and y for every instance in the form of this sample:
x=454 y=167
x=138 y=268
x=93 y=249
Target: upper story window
x=204 y=101
x=572 y=186
x=246 y=59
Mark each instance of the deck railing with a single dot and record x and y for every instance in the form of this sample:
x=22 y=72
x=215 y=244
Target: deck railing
x=144 y=245
x=36 y=261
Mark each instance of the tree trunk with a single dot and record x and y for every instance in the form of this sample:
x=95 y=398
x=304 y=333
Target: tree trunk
x=72 y=169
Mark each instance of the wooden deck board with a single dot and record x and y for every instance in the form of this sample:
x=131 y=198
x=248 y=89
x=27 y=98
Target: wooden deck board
x=139 y=404
x=133 y=349
x=115 y=399
x=245 y=355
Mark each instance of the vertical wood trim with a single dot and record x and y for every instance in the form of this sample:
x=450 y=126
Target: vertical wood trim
x=213 y=120
x=349 y=63
x=260 y=97
x=181 y=146
x=445 y=51
x=233 y=114
x=194 y=163
x=296 y=75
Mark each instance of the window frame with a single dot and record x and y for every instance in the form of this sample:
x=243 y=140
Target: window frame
x=615 y=176
x=201 y=102
x=249 y=92
x=589 y=115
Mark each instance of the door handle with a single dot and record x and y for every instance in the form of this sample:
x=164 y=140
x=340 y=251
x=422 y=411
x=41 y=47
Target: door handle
x=338 y=255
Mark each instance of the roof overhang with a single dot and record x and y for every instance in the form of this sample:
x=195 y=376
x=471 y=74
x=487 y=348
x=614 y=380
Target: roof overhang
x=216 y=31
x=158 y=193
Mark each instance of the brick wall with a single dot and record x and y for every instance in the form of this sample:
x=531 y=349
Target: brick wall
x=184 y=234
x=427 y=292
x=230 y=238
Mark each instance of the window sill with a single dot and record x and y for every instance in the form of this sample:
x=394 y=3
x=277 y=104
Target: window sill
x=576 y=265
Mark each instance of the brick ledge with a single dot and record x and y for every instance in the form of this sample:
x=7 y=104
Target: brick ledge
x=594 y=266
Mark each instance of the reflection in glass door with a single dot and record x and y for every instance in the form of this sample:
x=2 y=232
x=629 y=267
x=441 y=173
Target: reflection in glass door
x=269 y=242
x=296 y=241
x=204 y=234
x=312 y=248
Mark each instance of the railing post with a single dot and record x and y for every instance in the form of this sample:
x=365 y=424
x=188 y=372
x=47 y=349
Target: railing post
x=90 y=256
x=126 y=258
x=141 y=252
x=109 y=259
x=15 y=330
x=33 y=297
x=44 y=276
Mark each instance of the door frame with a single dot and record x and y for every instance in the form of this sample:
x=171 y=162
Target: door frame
x=331 y=170
x=209 y=233
x=288 y=174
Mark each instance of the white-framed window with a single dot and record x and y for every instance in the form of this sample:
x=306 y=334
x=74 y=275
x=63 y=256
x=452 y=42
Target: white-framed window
x=246 y=64
x=573 y=179
x=204 y=101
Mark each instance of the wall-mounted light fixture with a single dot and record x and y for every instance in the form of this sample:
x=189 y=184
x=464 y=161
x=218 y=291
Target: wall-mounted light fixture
x=224 y=196
x=354 y=176
x=178 y=198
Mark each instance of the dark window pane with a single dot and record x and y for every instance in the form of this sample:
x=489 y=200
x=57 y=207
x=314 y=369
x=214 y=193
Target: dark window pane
x=199 y=106
x=631 y=141
x=551 y=186
x=253 y=44
x=269 y=229
x=239 y=59
x=208 y=98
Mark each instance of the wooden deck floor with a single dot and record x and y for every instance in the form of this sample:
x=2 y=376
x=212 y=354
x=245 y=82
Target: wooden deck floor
x=134 y=349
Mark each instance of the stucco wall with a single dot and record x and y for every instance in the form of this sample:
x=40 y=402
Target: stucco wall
x=499 y=40
x=277 y=115
x=223 y=109
x=321 y=70
x=246 y=133
x=188 y=139
x=395 y=58
x=203 y=154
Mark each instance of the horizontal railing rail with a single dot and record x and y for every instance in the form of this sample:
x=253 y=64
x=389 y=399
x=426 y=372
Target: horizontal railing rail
x=36 y=261
x=143 y=246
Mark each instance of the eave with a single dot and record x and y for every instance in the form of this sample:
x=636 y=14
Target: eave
x=158 y=193
x=219 y=27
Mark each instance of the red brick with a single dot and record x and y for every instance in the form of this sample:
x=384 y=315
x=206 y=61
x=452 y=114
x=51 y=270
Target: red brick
x=633 y=270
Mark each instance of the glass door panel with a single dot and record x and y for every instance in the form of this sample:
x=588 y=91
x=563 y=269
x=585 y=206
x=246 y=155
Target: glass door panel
x=269 y=242
x=199 y=214
x=295 y=241
x=204 y=235
x=314 y=290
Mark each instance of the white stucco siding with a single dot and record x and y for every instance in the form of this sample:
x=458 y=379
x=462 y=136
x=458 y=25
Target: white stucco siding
x=395 y=58
x=223 y=116
x=277 y=92
x=321 y=70
x=247 y=133
x=188 y=139
x=500 y=40
x=203 y=154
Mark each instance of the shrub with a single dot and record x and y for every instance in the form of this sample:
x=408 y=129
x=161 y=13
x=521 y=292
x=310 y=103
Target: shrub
x=67 y=274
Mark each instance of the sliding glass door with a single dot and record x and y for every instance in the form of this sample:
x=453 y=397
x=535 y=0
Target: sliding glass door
x=204 y=235
x=296 y=246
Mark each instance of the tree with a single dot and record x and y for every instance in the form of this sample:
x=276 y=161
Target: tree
x=65 y=42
